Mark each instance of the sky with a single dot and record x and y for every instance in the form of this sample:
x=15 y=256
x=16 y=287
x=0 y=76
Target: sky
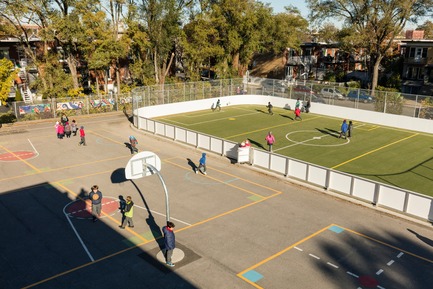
x=278 y=5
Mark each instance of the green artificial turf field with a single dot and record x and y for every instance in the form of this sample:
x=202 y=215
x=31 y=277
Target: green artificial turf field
x=389 y=155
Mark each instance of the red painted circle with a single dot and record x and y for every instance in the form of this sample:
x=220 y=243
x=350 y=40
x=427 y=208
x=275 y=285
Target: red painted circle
x=15 y=156
x=82 y=208
x=368 y=281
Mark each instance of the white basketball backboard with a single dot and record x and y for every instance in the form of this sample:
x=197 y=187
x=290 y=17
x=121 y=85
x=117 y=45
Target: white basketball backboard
x=137 y=166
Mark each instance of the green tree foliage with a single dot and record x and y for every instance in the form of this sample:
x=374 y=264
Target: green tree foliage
x=160 y=20
x=288 y=30
x=377 y=22
x=7 y=76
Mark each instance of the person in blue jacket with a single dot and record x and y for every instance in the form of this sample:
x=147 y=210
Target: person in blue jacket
x=169 y=242
x=202 y=164
x=344 y=128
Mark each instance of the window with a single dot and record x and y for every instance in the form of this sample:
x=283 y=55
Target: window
x=418 y=53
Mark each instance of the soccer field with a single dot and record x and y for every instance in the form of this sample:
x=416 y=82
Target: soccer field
x=389 y=155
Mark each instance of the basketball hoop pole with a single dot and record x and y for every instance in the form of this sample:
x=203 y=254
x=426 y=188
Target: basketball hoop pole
x=167 y=207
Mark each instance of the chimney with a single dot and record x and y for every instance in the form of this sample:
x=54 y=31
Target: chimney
x=414 y=34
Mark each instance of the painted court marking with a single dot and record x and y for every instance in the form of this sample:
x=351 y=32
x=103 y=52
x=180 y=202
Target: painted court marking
x=252 y=275
x=314 y=138
x=81 y=209
x=11 y=156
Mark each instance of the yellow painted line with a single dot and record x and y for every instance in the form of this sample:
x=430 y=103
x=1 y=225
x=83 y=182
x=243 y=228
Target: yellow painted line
x=143 y=243
x=375 y=150
x=278 y=254
x=223 y=182
x=269 y=128
x=227 y=213
x=24 y=161
x=107 y=138
x=65 y=167
x=387 y=245
x=373 y=128
x=228 y=174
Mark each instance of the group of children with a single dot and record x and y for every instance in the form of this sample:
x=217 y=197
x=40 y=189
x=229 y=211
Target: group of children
x=346 y=129
x=66 y=129
x=297 y=110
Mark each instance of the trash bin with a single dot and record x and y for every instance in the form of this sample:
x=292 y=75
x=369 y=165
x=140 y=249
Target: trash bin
x=243 y=155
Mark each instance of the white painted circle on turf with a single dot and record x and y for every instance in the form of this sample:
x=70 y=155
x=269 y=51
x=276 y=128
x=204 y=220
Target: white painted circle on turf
x=305 y=142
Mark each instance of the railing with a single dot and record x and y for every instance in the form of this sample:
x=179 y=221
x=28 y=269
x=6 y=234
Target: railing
x=375 y=193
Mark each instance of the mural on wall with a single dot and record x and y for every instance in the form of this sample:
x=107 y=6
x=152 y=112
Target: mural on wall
x=102 y=102
x=70 y=105
x=34 y=108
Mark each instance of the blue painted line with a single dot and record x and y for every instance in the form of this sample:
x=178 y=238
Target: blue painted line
x=253 y=276
x=336 y=229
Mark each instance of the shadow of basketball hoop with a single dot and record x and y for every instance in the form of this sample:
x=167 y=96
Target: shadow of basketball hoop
x=118 y=176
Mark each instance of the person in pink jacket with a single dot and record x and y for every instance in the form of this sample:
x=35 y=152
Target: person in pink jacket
x=61 y=131
x=270 y=140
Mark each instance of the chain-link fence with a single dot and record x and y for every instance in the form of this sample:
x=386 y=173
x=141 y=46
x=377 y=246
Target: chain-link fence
x=53 y=108
x=413 y=105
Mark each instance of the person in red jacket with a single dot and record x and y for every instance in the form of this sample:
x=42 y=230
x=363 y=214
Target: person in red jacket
x=298 y=113
x=82 y=136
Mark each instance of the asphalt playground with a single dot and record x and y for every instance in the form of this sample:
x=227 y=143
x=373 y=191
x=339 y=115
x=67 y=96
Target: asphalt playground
x=236 y=227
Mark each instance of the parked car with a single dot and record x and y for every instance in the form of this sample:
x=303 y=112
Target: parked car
x=303 y=92
x=207 y=74
x=330 y=92
x=359 y=95
x=270 y=85
x=316 y=99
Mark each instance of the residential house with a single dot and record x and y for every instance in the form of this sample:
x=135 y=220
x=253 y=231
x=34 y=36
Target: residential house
x=417 y=74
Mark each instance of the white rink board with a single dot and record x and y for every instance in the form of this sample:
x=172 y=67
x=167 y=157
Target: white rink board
x=340 y=182
x=317 y=175
x=363 y=189
x=298 y=170
x=392 y=198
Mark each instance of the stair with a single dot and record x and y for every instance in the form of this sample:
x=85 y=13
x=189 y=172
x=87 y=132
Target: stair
x=24 y=89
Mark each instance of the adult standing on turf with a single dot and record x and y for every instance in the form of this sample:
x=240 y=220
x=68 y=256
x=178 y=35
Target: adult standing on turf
x=169 y=242
x=344 y=128
x=270 y=140
x=95 y=197
x=129 y=212
x=270 y=107
x=349 y=129
x=308 y=105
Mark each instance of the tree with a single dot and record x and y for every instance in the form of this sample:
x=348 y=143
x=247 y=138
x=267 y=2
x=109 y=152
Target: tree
x=7 y=77
x=161 y=20
x=427 y=26
x=378 y=22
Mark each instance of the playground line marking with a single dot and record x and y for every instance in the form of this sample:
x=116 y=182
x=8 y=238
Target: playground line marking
x=375 y=150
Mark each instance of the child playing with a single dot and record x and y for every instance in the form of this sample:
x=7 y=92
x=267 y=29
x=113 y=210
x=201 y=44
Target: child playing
x=82 y=136
x=133 y=141
x=298 y=113
x=202 y=164
x=74 y=127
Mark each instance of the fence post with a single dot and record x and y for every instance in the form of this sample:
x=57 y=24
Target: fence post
x=376 y=194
